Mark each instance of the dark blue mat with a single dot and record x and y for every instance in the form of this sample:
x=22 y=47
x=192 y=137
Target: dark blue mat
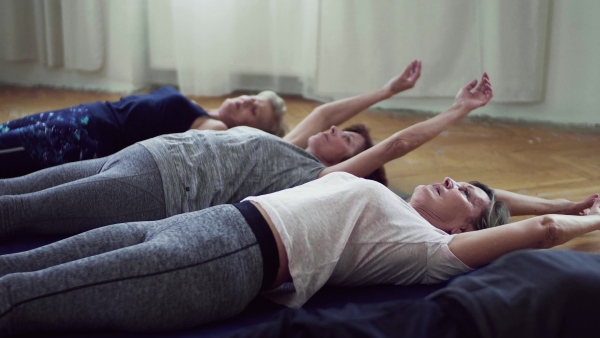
x=258 y=311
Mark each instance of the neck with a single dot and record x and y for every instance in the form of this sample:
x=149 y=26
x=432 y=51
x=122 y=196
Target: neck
x=322 y=160
x=430 y=218
x=214 y=113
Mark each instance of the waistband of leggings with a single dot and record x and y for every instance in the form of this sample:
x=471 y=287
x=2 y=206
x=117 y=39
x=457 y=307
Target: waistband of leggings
x=266 y=241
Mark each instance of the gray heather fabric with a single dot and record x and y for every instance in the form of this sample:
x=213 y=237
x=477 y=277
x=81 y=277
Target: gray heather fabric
x=43 y=179
x=204 y=168
x=79 y=196
x=170 y=274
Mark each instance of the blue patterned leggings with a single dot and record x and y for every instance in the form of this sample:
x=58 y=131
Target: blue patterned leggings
x=48 y=139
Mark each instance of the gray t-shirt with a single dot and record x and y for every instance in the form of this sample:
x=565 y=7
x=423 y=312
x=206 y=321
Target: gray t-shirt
x=200 y=169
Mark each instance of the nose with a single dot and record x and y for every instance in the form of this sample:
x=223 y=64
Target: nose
x=334 y=130
x=449 y=183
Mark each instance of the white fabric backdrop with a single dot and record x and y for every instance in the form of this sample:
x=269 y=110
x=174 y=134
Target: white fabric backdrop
x=56 y=33
x=221 y=45
x=317 y=48
x=344 y=47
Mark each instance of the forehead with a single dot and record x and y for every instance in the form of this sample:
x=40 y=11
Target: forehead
x=263 y=102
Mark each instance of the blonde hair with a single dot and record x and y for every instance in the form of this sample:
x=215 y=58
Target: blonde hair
x=495 y=214
x=279 y=127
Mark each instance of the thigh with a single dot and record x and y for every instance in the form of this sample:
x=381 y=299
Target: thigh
x=128 y=188
x=179 y=277
x=87 y=244
x=52 y=138
x=49 y=177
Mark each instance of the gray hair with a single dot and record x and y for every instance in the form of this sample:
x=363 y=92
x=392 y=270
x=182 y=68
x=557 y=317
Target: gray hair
x=495 y=214
x=279 y=127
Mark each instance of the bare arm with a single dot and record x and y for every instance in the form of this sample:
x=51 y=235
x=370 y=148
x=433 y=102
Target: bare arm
x=338 y=112
x=520 y=205
x=207 y=123
x=477 y=248
x=468 y=99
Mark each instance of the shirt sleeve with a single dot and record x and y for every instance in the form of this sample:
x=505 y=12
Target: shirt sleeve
x=442 y=264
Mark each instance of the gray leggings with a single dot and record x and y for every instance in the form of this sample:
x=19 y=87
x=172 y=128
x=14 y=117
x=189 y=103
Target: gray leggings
x=76 y=197
x=169 y=274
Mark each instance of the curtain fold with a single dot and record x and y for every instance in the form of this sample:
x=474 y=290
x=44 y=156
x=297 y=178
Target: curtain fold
x=457 y=40
x=225 y=45
x=17 y=30
x=49 y=40
x=316 y=48
x=345 y=47
x=83 y=34
x=55 y=33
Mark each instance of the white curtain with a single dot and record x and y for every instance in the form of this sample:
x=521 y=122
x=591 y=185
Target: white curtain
x=224 y=45
x=316 y=48
x=56 y=33
x=330 y=48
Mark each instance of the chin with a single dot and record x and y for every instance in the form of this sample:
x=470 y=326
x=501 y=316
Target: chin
x=313 y=141
x=419 y=191
x=225 y=116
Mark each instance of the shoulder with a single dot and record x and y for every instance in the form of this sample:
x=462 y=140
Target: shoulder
x=166 y=90
x=248 y=131
x=206 y=123
x=342 y=177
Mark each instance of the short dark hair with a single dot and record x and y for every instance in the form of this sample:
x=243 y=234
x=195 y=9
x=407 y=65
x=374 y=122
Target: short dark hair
x=495 y=214
x=378 y=175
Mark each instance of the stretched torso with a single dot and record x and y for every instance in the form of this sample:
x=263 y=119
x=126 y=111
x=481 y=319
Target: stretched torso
x=205 y=168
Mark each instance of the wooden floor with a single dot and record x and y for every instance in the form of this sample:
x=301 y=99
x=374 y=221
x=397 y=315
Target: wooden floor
x=541 y=160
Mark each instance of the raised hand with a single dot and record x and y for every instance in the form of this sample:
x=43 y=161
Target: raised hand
x=594 y=209
x=473 y=96
x=581 y=207
x=406 y=80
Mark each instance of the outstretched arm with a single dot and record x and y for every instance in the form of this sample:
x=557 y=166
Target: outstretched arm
x=469 y=98
x=477 y=248
x=520 y=205
x=338 y=112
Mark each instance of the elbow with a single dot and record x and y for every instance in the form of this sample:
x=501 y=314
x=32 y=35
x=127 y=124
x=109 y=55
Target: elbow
x=551 y=231
x=398 y=148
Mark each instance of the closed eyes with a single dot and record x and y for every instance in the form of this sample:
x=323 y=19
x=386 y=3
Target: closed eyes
x=347 y=138
x=466 y=191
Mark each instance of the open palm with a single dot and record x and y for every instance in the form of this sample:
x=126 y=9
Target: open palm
x=473 y=96
x=407 y=79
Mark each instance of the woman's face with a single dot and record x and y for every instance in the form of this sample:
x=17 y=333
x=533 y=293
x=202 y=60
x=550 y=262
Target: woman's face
x=450 y=206
x=252 y=111
x=334 y=145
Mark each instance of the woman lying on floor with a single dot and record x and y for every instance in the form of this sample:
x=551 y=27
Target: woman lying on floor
x=176 y=173
x=99 y=129
x=207 y=265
